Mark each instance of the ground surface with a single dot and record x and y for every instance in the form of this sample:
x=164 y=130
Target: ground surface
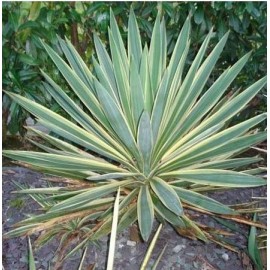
x=180 y=253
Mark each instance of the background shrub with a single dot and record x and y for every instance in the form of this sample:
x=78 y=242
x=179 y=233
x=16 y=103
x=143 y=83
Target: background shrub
x=25 y=22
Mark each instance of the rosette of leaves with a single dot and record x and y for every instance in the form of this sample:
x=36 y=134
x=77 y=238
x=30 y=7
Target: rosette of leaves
x=146 y=124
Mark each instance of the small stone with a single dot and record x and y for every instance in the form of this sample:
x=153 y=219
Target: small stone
x=225 y=257
x=131 y=243
x=174 y=258
x=218 y=251
x=133 y=250
x=178 y=248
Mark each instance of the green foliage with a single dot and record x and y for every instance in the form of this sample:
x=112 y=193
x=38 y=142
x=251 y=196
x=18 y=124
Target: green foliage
x=150 y=150
x=31 y=259
x=25 y=22
x=17 y=203
x=253 y=249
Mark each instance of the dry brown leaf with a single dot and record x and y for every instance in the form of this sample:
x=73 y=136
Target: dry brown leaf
x=91 y=266
x=134 y=234
x=204 y=264
x=246 y=261
x=227 y=246
x=6 y=172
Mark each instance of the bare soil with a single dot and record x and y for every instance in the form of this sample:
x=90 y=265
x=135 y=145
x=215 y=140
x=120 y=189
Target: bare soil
x=181 y=253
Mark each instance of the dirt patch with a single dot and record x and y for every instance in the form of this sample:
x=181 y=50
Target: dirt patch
x=181 y=253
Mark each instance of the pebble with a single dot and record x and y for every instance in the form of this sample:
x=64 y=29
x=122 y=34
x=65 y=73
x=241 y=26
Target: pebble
x=225 y=257
x=174 y=258
x=180 y=254
x=131 y=243
x=177 y=248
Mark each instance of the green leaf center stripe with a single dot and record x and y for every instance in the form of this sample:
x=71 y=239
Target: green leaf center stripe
x=183 y=91
x=145 y=211
x=61 y=161
x=83 y=141
x=93 y=142
x=117 y=120
x=80 y=116
x=77 y=63
x=202 y=201
x=88 y=196
x=216 y=177
x=230 y=149
x=155 y=56
x=86 y=96
x=166 y=195
x=228 y=110
x=105 y=63
x=134 y=39
x=219 y=139
x=145 y=141
x=154 y=123
x=122 y=79
x=197 y=85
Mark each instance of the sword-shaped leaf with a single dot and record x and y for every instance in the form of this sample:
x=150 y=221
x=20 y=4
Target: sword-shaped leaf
x=213 y=94
x=93 y=142
x=60 y=144
x=202 y=201
x=118 y=41
x=159 y=105
x=136 y=89
x=128 y=218
x=167 y=195
x=105 y=63
x=217 y=177
x=230 y=149
x=111 y=176
x=88 y=196
x=229 y=163
x=77 y=63
x=134 y=40
x=155 y=59
x=117 y=120
x=166 y=213
x=146 y=83
x=61 y=161
x=82 y=91
x=105 y=81
x=200 y=79
x=122 y=79
x=179 y=49
x=227 y=111
x=183 y=91
x=217 y=140
x=145 y=212
x=145 y=141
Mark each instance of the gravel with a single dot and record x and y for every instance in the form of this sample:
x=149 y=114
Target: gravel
x=181 y=253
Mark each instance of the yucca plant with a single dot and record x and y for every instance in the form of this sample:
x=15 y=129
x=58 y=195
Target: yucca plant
x=145 y=123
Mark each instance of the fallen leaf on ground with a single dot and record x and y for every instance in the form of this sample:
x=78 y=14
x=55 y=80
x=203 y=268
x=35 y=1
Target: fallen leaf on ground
x=5 y=172
x=246 y=262
x=204 y=264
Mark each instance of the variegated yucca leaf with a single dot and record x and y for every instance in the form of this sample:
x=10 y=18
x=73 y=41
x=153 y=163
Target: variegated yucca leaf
x=144 y=126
